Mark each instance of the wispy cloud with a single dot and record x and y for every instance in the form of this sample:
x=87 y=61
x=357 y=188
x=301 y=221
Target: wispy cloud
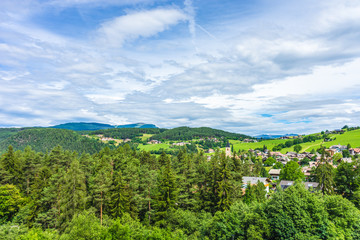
x=255 y=68
x=138 y=24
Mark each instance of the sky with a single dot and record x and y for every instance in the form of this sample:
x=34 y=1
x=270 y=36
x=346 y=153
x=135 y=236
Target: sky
x=246 y=66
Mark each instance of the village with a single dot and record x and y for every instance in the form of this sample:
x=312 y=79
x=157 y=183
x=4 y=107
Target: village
x=307 y=162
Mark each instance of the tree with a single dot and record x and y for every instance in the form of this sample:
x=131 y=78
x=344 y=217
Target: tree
x=73 y=192
x=297 y=148
x=345 y=153
x=292 y=171
x=325 y=176
x=305 y=161
x=120 y=197
x=10 y=202
x=347 y=180
x=255 y=193
x=337 y=157
x=85 y=225
x=278 y=165
x=225 y=187
x=8 y=167
x=269 y=161
x=166 y=192
x=296 y=213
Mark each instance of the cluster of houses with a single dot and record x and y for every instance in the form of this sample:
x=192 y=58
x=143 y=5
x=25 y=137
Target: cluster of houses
x=290 y=137
x=180 y=144
x=154 y=142
x=106 y=139
x=247 y=140
x=271 y=183
x=209 y=139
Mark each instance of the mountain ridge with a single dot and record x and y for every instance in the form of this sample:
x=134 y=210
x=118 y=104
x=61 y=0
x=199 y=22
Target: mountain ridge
x=92 y=126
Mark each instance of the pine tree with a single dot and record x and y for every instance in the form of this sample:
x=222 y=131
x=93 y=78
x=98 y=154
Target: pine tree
x=73 y=192
x=121 y=199
x=167 y=191
x=102 y=183
x=186 y=179
x=8 y=167
x=225 y=187
x=30 y=161
x=325 y=175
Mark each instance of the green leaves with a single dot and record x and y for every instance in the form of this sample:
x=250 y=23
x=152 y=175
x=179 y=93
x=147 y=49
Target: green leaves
x=10 y=202
x=292 y=172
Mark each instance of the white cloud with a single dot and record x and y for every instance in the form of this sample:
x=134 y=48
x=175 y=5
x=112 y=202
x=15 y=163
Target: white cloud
x=139 y=24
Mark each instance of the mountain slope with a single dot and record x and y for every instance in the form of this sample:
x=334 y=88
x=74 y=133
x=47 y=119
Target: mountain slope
x=83 y=126
x=187 y=133
x=45 y=139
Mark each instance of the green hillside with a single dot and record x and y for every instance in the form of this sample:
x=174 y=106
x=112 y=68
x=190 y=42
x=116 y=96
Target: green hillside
x=83 y=126
x=122 y=133
x=45 y=139
x=187 y=133
x=8 y=132
x=348 y=137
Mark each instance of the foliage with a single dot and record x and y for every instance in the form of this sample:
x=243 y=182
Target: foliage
x=291 y=171
x=186 y=133
x=278 y=165
x=45 y=139
x=10 y=202
x=269 y=161
x=296 y=214
x=120 y=193
x=347 y=180
x=123 y=133
x=325 y=176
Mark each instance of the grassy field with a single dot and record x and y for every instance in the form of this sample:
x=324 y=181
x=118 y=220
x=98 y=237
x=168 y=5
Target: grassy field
x=352 y=137
x=238 y=145
x=146 y=136
x=155 y=147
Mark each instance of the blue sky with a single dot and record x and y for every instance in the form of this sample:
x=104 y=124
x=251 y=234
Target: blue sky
x=248 y=66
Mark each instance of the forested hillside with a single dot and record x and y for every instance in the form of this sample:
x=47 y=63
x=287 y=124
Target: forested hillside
x=123 y=194
x=45 y=139
x=84 y=126
x=8 y=132
x=122 y=133
x=187 y=133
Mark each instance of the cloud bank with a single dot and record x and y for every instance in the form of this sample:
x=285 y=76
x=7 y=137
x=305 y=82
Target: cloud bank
x=244 y=67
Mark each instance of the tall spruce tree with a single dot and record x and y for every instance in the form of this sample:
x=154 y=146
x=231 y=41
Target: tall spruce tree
x=8 y=167
x=73 y=192
x=325 y=175
x=225 y=186
x=167 y=191
x=121 y=197
x=101 y=184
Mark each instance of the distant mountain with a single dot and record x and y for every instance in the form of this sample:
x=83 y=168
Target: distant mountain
x=270 y=136
x=137 y=125
x=83 y=126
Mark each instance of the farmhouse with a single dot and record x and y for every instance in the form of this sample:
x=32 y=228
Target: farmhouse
x=274 y=174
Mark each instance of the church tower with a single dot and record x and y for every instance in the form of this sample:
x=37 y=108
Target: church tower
x=228 y=150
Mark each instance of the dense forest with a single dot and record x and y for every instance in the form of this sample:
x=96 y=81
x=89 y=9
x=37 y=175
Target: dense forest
x=125 y=194
x=85 y=126
x=45 y=139
x=187 y=133
x=123 y=133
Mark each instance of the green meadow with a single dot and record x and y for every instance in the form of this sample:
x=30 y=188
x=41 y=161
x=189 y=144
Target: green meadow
x=352 y=137
x=153 y=147
x=146 y=136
